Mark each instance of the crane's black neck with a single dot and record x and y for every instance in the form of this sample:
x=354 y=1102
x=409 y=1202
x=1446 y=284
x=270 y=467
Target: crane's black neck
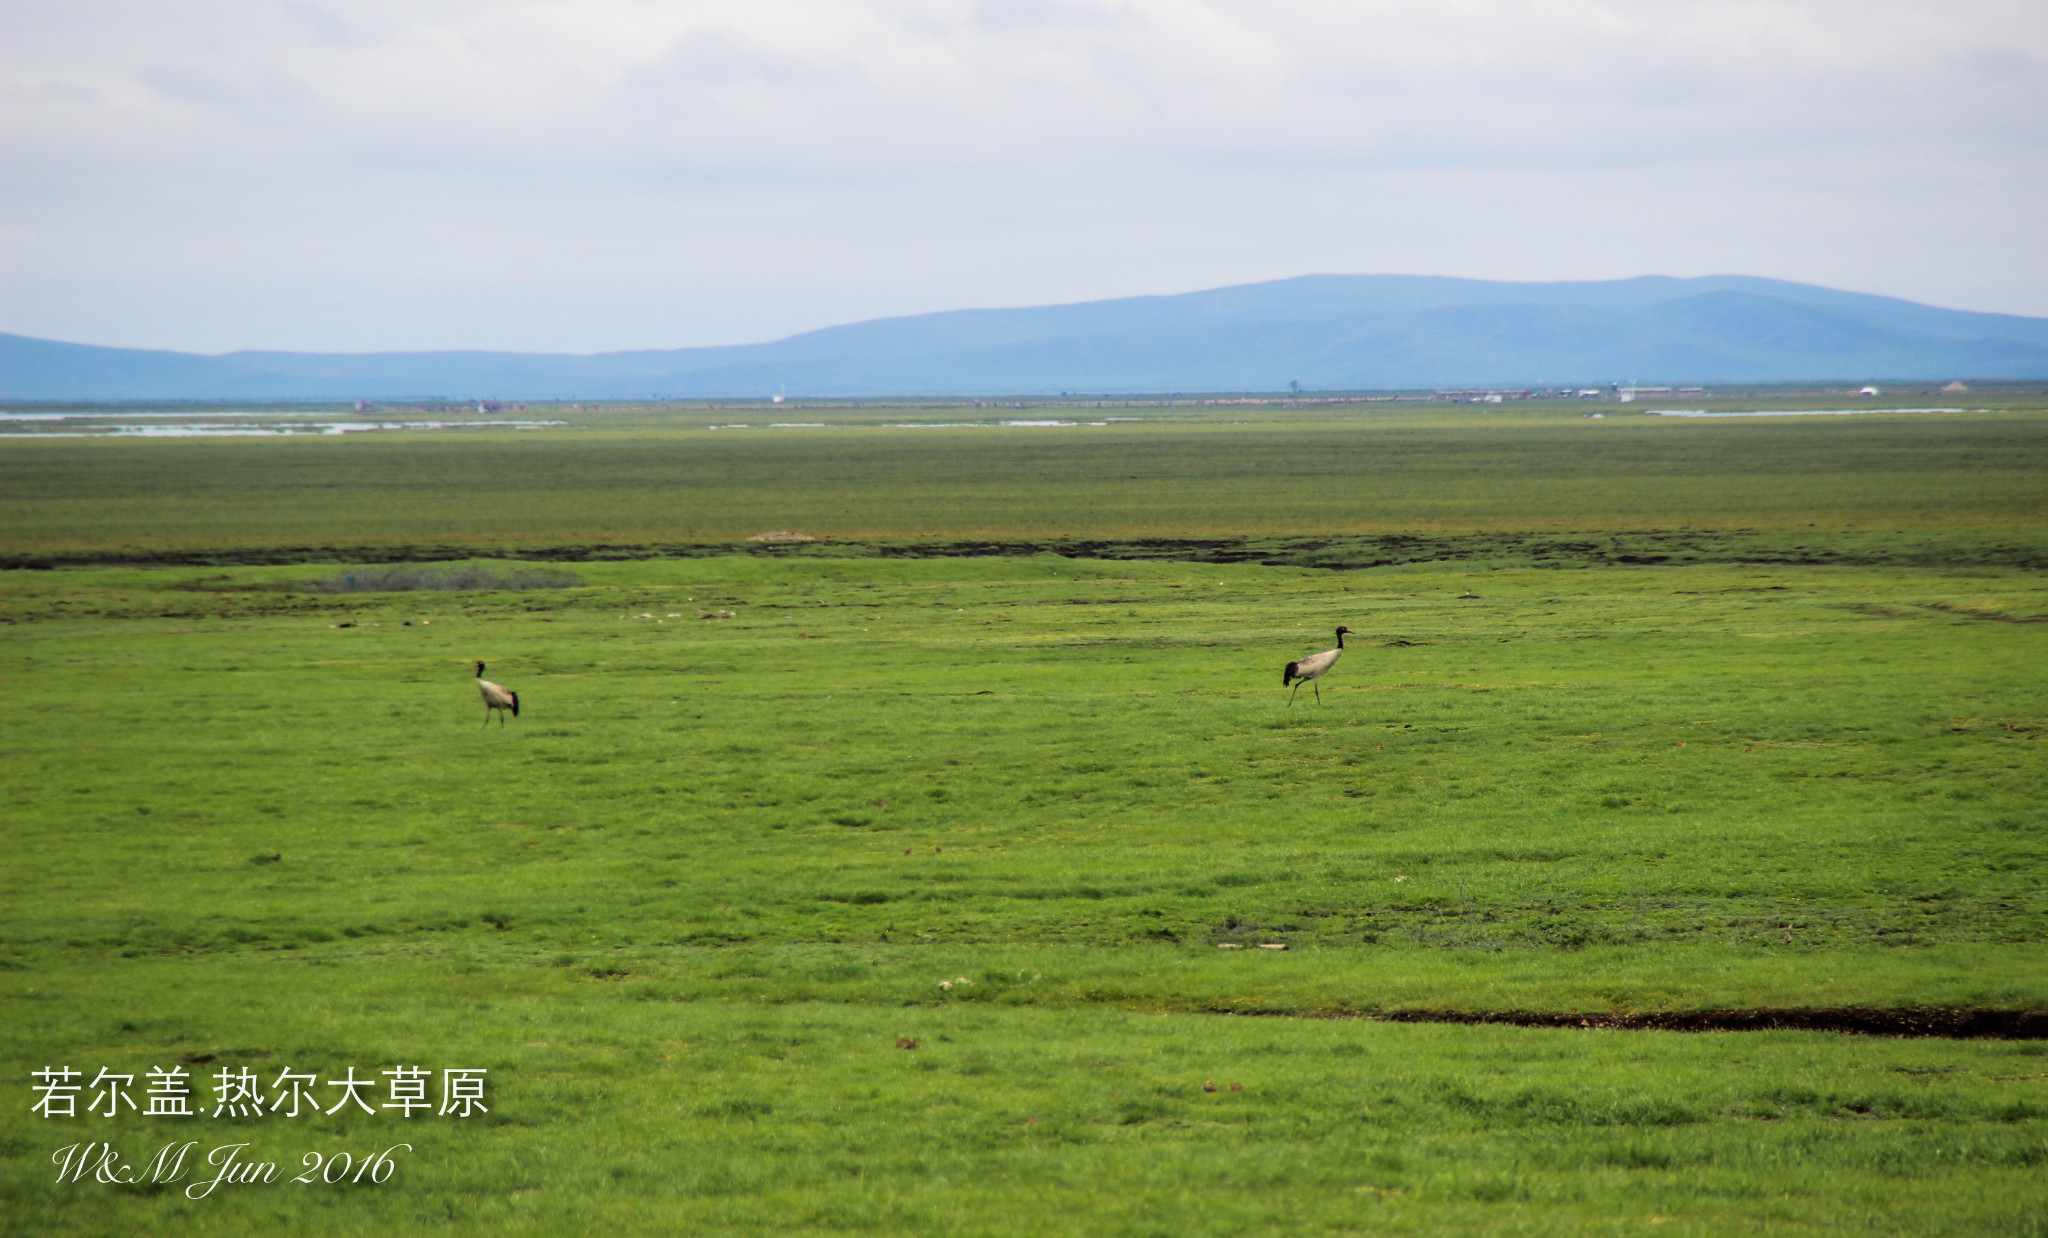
x=1340 y=641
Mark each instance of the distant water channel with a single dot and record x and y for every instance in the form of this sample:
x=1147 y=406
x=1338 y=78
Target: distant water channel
x=221 y=423
x=1797 y=412
x=923 y=425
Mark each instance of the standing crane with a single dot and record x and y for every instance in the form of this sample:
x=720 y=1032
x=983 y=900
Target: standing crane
x=496 y=696
x=1306 y=671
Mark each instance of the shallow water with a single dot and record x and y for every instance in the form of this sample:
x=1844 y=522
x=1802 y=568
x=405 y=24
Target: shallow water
x=269 y=424
x=1797 y=412
x=983 y=425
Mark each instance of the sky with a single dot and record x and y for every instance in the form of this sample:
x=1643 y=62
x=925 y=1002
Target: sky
x=543 y=175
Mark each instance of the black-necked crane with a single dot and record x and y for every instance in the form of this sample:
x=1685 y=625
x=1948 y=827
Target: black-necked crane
x=496 y=696
x=1311 y=668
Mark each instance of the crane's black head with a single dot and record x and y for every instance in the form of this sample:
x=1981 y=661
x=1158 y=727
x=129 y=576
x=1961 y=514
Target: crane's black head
x=479 y=670
x=1341 y=631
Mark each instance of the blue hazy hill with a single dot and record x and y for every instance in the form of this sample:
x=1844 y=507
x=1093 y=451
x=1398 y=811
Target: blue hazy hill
x=1327 y=332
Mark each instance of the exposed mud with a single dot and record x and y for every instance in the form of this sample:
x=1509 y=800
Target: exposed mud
x=1988 y=616
x=1648 y=548
x=1936 y=1022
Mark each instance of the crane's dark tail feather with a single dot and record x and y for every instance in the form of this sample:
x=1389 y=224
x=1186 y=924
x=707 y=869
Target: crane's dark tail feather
x=1287 y=676
x=515 y=704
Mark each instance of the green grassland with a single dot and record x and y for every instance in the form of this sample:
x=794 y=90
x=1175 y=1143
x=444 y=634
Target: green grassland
x=1039 y=814
x=1919 y=481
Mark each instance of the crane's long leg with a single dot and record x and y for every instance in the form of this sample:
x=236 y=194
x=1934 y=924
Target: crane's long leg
x=1318 y=686
x=487 y=713
x=1291 y=695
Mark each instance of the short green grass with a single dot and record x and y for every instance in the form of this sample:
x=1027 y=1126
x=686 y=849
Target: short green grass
x=1639 y=716
x=614 y=1110
x=684 y=906
x=1682 y=756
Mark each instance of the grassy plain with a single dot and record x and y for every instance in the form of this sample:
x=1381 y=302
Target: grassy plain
x=1911 y=482
x=684 y=908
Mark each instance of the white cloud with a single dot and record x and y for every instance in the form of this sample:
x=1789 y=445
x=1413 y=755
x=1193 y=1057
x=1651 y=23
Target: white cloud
x=622 y=173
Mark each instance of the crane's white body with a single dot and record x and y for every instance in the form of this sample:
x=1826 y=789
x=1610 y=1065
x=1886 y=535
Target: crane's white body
x=1311 y=668
x=496 y=697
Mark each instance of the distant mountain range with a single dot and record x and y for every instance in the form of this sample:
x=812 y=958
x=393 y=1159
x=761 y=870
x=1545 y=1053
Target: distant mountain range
x=1326 y=332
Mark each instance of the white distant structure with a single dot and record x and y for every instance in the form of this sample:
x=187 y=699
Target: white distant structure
x=1870 y=391
x=777 y=397
x=1955 y=388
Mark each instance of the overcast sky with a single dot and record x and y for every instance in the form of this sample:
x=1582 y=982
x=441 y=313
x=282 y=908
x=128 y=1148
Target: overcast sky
x=603 y=174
